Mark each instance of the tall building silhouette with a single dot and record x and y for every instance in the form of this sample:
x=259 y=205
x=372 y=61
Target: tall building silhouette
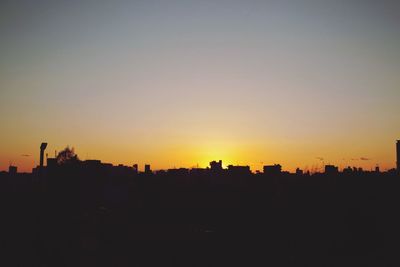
x=216 y=165
x=12 y=170
x=398 y=155
x=147 y=169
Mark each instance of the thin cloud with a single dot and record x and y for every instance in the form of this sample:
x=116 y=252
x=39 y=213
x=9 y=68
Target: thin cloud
x=361 y=158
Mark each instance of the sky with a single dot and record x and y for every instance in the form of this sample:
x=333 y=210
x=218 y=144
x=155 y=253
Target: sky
x=180 y=83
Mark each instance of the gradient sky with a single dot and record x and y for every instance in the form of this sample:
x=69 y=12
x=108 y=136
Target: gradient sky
x=180 y=83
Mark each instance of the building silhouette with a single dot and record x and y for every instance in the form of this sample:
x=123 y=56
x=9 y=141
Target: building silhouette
x=12 y=170
x=147 y=169
x=299 y=171
x=178 y=172
x=331 y=169
x=273 y=169
x=216 y=166
x=135 y=168
x=239 y=170
x=377 y=169
x=398 y=155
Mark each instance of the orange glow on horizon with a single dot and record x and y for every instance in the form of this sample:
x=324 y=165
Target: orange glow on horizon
x=200 y=155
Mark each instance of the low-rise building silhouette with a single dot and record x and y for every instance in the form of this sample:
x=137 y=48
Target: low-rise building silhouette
x=199 y=171
x=272 y=169
x=178 y=172
x=239 y=170
x=299 y=172
x=331 y=169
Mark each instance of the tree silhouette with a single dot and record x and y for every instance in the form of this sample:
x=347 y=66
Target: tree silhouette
x=67 y=156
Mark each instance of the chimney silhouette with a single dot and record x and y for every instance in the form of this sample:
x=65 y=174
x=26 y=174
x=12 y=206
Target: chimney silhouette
x=42 y=148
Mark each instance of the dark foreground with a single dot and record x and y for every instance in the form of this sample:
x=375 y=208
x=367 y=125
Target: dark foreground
x=71 y=218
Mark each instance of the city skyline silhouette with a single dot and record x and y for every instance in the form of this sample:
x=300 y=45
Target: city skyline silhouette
x=317 y=168
x=76 y=212
x=199 y=133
